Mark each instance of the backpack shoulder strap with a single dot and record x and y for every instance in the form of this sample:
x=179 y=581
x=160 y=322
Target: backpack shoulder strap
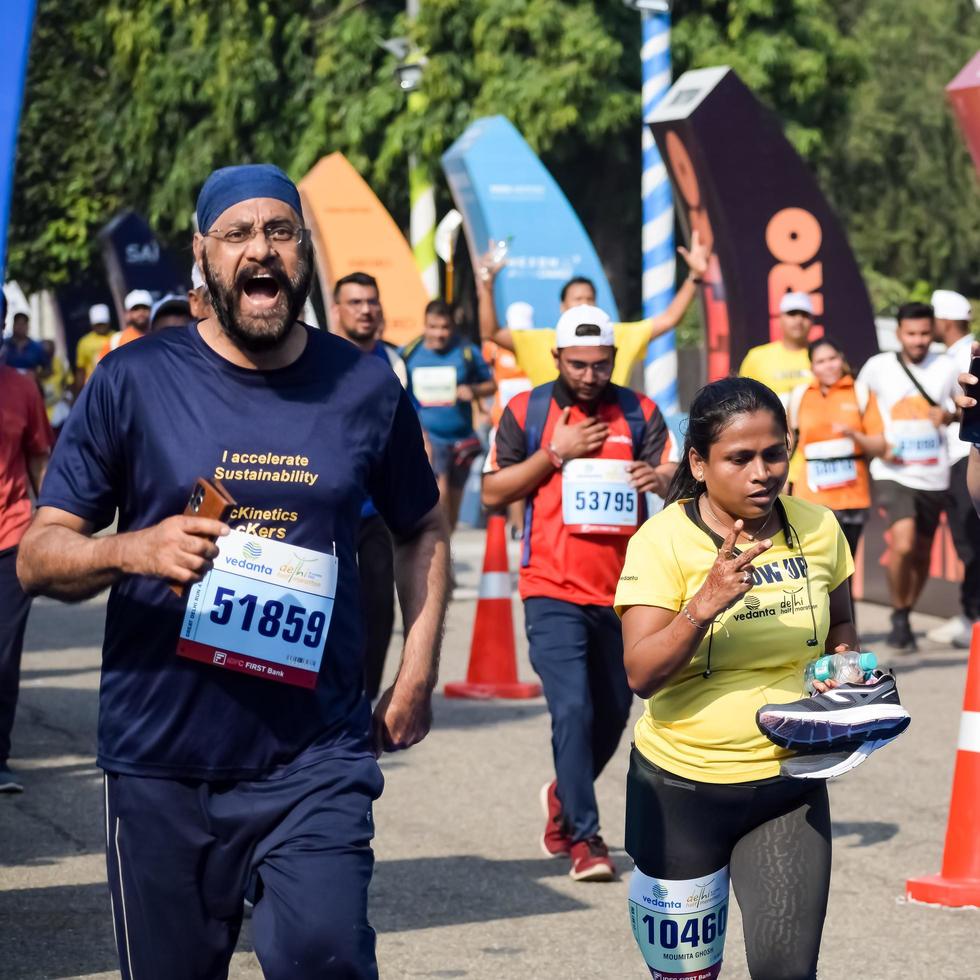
x=397 y=363
x=538 y=406
x=793 y=409
x=410 y=348
x=863 y=395
x=629 y=405
x=918 y=384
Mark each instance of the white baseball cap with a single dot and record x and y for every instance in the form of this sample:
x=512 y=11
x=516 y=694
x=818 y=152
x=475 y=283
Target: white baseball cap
x=137 y=297
x=948 y=305
x=197 y=277
x=796 y=303
x=578 y=317
x=99 y=314
x=520 y=316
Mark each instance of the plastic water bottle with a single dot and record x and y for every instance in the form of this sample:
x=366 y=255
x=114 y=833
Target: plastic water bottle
x=499 y=252
x=845 y=668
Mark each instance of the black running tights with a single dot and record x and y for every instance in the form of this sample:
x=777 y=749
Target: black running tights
x=773 y=835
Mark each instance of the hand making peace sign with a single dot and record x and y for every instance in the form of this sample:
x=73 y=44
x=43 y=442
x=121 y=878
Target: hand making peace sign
x=730 y=577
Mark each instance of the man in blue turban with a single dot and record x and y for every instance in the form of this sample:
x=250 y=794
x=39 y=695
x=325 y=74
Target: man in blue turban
x=260 y=267
x=239 y=747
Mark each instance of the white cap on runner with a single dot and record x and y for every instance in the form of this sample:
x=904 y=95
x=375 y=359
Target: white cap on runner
x=796 y=303
x=948 y=305
x=137 y=297
x=574 y=328
x=98 y=314
x=520 y=316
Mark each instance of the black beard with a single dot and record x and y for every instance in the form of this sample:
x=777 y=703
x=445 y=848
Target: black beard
x=258 y=334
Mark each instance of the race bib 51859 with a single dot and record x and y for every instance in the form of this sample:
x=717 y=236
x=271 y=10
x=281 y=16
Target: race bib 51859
x=263 y=609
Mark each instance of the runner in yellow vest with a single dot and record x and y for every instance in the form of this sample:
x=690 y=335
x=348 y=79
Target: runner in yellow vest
x=533 y=348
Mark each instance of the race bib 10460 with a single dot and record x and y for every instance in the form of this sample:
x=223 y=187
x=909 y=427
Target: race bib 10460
x=264 y=609
x=680 y=925
x=597 y=497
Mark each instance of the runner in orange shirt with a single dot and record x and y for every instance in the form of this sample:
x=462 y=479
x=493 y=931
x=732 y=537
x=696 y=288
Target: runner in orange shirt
x=138 y=303
x=838 y=429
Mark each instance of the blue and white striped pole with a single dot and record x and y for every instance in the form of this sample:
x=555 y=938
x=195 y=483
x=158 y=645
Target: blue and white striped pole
x=660 y=364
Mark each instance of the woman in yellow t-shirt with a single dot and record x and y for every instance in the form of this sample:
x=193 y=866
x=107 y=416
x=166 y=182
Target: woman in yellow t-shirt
x=725 y=596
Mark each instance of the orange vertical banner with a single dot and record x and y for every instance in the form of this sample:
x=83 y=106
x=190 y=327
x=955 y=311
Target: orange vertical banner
x=353 y=232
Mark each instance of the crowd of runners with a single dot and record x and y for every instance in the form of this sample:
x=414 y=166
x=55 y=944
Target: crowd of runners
x=242 y=711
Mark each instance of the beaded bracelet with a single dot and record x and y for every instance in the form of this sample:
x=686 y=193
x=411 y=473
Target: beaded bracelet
x=693 y=621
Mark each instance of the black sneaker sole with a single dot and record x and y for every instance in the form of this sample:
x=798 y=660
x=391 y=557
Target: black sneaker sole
x=809 y=730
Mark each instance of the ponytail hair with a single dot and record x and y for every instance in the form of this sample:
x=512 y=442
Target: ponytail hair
x=714 y=408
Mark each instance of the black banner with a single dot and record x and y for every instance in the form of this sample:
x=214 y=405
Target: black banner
x=740 y=183
x=134 y=259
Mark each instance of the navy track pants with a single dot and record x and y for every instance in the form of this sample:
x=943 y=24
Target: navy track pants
x=182 y=854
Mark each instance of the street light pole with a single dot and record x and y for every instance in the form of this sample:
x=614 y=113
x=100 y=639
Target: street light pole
x=660 y=364
x=421 y=196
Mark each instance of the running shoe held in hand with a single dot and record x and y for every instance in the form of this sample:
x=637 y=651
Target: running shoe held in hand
x=845 y=714
x=830 y=765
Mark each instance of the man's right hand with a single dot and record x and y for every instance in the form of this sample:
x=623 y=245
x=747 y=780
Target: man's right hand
x=964 y=381
x=179 y=549
x=582 y=439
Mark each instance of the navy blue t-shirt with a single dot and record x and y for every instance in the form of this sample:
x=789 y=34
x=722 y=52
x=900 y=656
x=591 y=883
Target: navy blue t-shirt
x=298 y=448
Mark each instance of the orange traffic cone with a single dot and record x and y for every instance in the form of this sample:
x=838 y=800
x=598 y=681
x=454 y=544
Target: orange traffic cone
x=492 y=672
x=959 y=882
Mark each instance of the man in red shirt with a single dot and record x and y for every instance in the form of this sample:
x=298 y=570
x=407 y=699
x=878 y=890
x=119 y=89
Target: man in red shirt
x=581 y=452
x=25 y=444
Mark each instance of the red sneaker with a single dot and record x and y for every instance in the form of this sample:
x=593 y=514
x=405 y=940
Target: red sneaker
x=591 y=861
x=555 y=841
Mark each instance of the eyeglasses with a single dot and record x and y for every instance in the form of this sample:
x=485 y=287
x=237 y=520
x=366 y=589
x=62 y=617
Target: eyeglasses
x=600 y=368
x=276 y=233
x=356 y=304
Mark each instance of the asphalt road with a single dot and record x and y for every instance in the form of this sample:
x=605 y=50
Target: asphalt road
x=461 y=889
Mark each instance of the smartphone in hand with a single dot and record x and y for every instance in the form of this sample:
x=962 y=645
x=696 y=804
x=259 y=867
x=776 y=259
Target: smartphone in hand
x=970 y=422
x=209 y=498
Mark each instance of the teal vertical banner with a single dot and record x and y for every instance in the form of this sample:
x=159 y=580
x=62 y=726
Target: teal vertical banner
x=15 y=43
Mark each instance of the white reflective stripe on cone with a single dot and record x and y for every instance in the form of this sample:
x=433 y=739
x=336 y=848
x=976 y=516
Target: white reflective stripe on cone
x=495 y=585
x=969 y=732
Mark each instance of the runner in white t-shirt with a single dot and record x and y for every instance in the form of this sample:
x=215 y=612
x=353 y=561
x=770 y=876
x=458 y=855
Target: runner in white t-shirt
x=953 y=316
x=914 y=388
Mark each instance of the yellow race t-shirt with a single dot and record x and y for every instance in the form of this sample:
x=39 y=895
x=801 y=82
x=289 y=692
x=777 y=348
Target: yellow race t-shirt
x=89 y=350
x=778 y=368
x=533 y=348
x=704 y=728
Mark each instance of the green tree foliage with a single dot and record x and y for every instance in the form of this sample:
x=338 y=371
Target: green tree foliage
x=132 y=102
x=898 y=170
x=790 y=53
x=63 y=188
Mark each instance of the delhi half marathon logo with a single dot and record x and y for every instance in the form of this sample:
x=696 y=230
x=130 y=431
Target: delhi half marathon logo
x=252 y=549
